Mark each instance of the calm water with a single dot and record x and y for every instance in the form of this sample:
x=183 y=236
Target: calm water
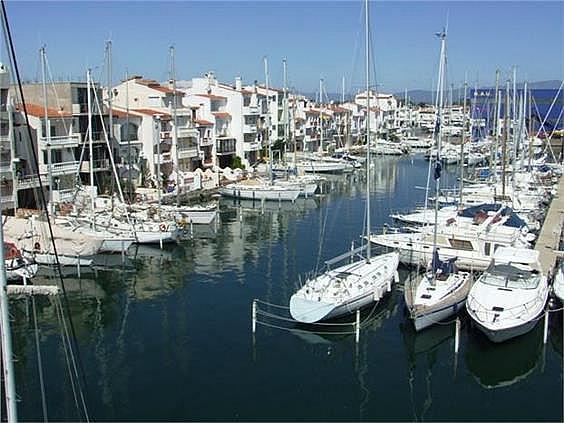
x=170 y=339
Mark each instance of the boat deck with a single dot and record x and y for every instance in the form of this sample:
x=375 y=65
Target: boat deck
x=549 y=237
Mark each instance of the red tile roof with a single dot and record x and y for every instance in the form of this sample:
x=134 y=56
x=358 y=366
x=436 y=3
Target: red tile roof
x=122 y=113
x=151 y=83
x=203 y=122
x=221 y=115
x=151 y=112
x=212 y=97
x=39 y=111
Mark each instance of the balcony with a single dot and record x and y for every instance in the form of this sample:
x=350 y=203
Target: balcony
x=187 y=152
x=252 y=146
x=63 y=195
x=62 y=168
x=60 y=141
x=165 y=158
x=6 y=167
x=225 y=146
x=251 y=110
x=206 y=141
x=249 y=129
x=97 y=166
x=28 y=182
x=184 y=132
x=166 y=135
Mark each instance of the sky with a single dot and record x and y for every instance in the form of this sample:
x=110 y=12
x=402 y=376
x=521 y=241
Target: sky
x=319 y=39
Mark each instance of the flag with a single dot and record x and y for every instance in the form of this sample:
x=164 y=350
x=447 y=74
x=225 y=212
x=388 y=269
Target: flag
x=438 y=168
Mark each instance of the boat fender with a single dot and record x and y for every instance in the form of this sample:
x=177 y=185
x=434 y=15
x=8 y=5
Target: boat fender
x=396 y=277
x=162 y=227
x=37 y=246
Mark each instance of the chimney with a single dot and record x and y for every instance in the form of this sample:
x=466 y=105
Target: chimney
x=238 y=83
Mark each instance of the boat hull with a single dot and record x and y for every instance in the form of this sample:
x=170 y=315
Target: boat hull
x=502 y=335
x=260 y=194
x=422 y=320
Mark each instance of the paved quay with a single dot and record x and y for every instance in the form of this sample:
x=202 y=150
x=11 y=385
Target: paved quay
x=549 y=236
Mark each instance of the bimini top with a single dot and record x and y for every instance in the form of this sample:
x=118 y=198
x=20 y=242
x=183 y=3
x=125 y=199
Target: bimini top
x=523 y=256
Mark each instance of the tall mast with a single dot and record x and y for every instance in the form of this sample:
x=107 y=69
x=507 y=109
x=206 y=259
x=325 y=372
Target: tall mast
x=90 y=142
x=175 y=123
x=367 y=35
x=111 y=116
x=286 y=116
x=268 y=118
x=47 y=128
x=462 y=142
x=321 y=113
x=530 y=132
x=440 y=89
x=496 y=127
x=6 y=334
x=129 y=187
x=505 y=138
x=159 y=178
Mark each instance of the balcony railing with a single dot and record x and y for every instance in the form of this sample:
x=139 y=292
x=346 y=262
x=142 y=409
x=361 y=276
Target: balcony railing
x=184 y=132
x=62 y=168
x=251 y=110
x=165 y=158
x=206 y=141
x=28 y=182
x=97 y=165
x=249 y=129
x=225 y=146
x=63 y=195
x=60 y=141
x=188 y=152
x=252 y=146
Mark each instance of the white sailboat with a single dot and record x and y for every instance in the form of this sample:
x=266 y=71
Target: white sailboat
x=442 y=291
x=349 y=287
x=508 y=298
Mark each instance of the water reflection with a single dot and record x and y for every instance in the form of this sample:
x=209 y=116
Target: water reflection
x=502 y=365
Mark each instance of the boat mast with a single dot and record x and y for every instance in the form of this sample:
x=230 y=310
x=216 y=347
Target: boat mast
x=493 y=156
x=505 y=138
x=110 y=112
x=6 y=334
x=129 y=185
x=175 y=123
x=159 y=178
x=268 y=119
x=529 y=134
x=321 y=114
x=440 y=89
x=462 y=142
x=90 y=142
x=47 y=128
x=367 y=35
x=286 y=117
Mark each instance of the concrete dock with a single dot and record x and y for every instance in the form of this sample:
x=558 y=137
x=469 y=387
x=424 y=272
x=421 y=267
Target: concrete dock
x=549 y=236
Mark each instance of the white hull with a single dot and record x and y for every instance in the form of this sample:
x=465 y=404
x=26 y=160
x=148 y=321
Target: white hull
x=197 y=217
x=115 y=245
x=20 y=267
x=260 y=193
x=424 y=320
x=322 y=298
x=49 y=259
x=503 y=335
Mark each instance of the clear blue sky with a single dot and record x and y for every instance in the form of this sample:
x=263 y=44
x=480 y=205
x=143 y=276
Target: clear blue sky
x=319 y=39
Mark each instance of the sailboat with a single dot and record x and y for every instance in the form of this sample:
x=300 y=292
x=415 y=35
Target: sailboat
x=442 y=291
x=348 y=288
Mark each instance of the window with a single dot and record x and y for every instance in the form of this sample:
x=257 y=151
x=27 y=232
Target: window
x=461 y=244
x=487 y=249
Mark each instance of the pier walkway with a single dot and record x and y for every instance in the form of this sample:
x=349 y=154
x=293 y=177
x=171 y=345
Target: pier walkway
x=549 y=236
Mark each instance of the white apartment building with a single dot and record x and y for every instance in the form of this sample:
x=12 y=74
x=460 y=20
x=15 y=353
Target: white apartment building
x=172 y=150
x=7 y=157
x=235 y=113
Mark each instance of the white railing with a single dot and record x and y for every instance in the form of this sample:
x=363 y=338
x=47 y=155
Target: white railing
x=206 y=141
x=251 y=146
x=103 y=164
x=63 y=195
x=63 y=168
x=251 y=110
x=249 y=129
x=184 y=132
x=165 y=157
x=185 y=153
x=60 y=141
x=28 y=182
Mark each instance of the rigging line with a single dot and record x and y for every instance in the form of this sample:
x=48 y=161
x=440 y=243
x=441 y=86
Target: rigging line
x=550 y=108
x=548 y=144
x=74 y=367
x=39 y=361
x=356 y=48
x=55 y=303
x=12 y=52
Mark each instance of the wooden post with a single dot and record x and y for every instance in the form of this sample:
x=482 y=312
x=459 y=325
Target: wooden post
x=456 y=335
x=78 y=266
x=545 y=334
x=122 y=254
x=357 y=325
x=254 y=316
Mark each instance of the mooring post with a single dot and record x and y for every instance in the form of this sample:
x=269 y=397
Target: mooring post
x=254 y=316
x=545 y=334
x=352 y=249
x=122 y=253
x=24 y=280
x=191 y=229
x=78 y=266
x=456 y=335
x=357 y=326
